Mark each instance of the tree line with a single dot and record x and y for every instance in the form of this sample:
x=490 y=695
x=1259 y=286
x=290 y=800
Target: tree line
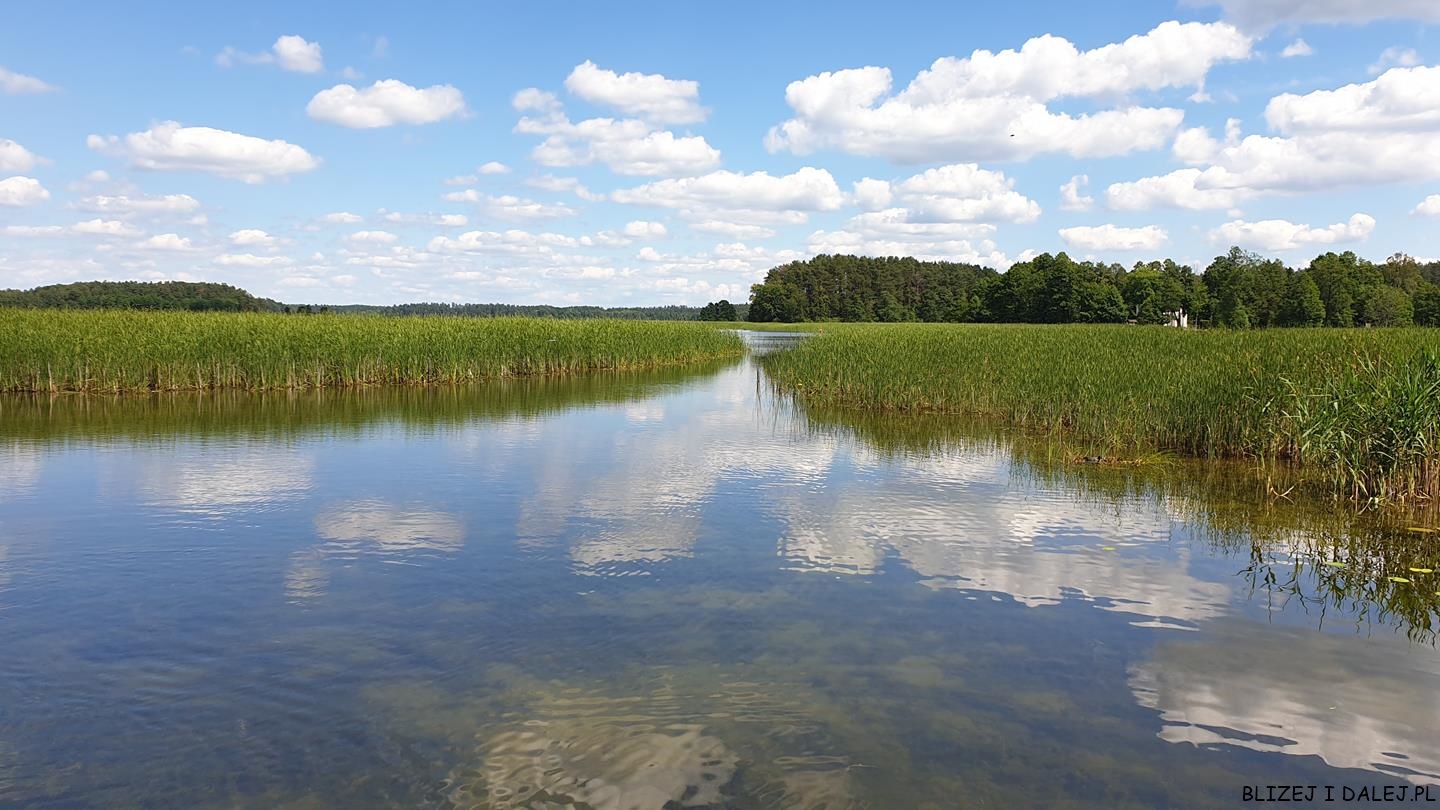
x=1238 y=290
x=188 y=295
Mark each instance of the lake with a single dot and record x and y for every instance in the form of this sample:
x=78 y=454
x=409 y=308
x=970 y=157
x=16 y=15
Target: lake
x=675 y=589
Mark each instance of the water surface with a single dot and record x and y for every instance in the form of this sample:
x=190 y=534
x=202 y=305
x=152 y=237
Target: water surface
x=673 y=589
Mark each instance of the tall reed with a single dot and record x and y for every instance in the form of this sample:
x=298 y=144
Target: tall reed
x=1262 y=394
x=118 y=351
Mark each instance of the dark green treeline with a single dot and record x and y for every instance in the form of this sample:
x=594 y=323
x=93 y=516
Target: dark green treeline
x=1237 y=290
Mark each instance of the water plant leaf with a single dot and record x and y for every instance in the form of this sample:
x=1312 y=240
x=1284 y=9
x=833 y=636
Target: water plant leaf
x=1423 y=570
x=1334 y=564
x=1107 y=548
x=1421 y=530
x=1399 y=579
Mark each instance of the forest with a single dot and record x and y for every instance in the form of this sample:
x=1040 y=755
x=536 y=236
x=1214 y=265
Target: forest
x=182 y=295
x=1237 y=290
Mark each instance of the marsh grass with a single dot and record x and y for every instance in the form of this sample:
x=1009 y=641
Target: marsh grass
x=126 y=351
x=1358 y=407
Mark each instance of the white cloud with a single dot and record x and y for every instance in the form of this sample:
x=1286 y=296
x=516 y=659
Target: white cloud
x=16 y=158
x=32 y=230
x=121 y=204
x=871 y=194
x=290 y=52
x=294 y=53
x=171 y=147
x=251 y=236
x=649 y=96
x=513 y=241
x=18 y=192
x=1263 y=14
x=104 y=227
x=92 y=227
x=1279 y=234
x=734 y=230
x=992 y=106
x=443 y=220
x=1072 y=198
x=1178 y=189
x=1297 y=48
x=342 y=218
x=1100 y=238
x=14 y=84
x=1395 y=56
x=493 y=167
x=1428 y=207
x=1383 y=131
x=509 y=206
x=642 y=229
x=251 y=260
x=964 y=192
x=627 y=146
x=171 y=242
x=372 y=237
x=386 y=103
x=807 y=189
x=549 y=182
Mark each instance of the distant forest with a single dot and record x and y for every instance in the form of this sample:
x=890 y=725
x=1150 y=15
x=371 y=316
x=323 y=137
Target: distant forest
x=199 y=296
x=205 y=296
x=1237 y=290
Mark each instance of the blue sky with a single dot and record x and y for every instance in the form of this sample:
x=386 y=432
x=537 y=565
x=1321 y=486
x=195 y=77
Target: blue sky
x=652 y=153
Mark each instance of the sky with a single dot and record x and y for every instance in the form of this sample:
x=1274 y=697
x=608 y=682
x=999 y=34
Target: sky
x=671 y=153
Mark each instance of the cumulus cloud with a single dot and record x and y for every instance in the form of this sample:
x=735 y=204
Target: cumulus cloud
x=1264 y=14
x=251 y=236
x=1428 y=207
x=964 y=192
x=342 y=218
x=19 y=192
x=628 y=146
x=993 y=106
x=122 y=204
x=508 y=206
x=493 y=167
x=1383 y=131
x=650 y=96
x=643 y=229
x=386 y=103
x=1072 y=198
x=872 y=194
x=104 y=228
x=167 y=242
x=290 y=52
x=1100 y=238
x=807 y=189
x=251 y=260
x=1279 y=234
x=1297 y=48
x=372 y=237
x=170 y=146
x=549 y=182
x=16 y=158
x=14 y=84
x=734 y=230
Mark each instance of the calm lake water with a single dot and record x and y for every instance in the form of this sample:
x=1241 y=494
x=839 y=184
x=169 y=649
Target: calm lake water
x=674 y=589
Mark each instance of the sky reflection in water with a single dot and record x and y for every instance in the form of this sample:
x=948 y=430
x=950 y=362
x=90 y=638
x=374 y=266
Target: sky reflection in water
x=622 y=592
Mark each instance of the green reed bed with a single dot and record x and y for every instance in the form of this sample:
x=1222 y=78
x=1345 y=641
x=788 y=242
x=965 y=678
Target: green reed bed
x=1360 y=407
x=119 y=351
